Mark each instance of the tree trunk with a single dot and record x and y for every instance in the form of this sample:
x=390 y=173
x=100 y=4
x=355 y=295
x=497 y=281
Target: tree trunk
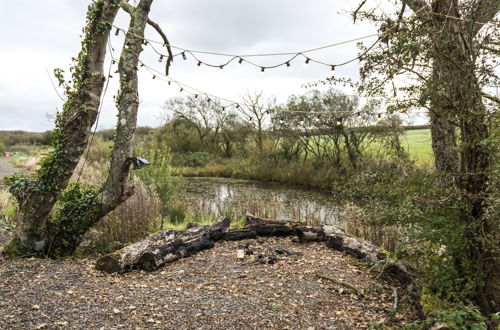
x=457 y=101
x=38 y=194
x=163 y=248
x=65 y=238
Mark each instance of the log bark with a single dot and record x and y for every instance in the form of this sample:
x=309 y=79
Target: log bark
x=165 y=247
x=238 y=235
x=267 y=227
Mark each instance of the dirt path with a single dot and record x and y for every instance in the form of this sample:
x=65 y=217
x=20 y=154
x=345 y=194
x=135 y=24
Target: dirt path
x=5 y=169
x=211 y=290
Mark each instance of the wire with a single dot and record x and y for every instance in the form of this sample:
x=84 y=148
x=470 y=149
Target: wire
x=231 y=103
x=240 y=58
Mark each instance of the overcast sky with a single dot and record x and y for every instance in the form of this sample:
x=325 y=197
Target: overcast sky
x=37 y=36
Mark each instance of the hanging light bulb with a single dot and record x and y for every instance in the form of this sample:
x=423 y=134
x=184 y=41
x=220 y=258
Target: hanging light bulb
x=145 y=42
x=113 y=62
x=237 y=106
x=221 y=67
x=223 y=108
x=127 y=46
x=401 y=110
x=338 y=123
x=117 y=32
x=359 y=115
x=180 y=90
x=307 y=60
x=199 y=63
x=301 y=122
x=142 y=64
x=281 y=121
x=262 y=69
x=208 y=100
x=240 y=60
x=169 y=82
x=184 y=56
x=154 y=77
x=287 y=64
x=161 y=58
x=317 y=119
x=195 y=96
x=379 y=116
x=333 y=67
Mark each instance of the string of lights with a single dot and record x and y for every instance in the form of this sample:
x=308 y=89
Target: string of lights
x=276 y=113
x=243 y=58
x=240 y=58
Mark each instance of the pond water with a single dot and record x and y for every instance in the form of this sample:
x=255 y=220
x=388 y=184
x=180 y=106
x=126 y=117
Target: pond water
x=222 y=196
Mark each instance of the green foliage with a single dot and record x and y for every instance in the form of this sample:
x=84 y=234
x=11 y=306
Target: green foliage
x=158 y=175
x=195 y=159
x=71 y=219
x=20 y=185
x=14 y=140
x=429 y=233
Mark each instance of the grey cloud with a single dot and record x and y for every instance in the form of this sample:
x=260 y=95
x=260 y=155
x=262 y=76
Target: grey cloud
x=52 y=28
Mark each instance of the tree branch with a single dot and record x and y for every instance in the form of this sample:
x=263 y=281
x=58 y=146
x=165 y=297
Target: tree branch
x=420 y=8
x=355 y=13
x=490 y=97
x=485 y=12
x=129 y=9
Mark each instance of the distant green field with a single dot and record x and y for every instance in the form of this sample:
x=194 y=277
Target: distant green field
x=419 y=145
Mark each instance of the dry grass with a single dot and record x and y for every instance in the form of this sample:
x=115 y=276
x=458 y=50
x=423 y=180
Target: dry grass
x=131 y=221
x=357 y=224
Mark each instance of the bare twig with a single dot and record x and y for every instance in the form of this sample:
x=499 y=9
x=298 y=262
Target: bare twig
x=340 y=282
x=355 y=13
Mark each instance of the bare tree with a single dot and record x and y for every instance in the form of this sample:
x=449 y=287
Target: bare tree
x=255 y=109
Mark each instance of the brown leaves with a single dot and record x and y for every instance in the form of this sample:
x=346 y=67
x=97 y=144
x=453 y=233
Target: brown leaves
x=210 y=289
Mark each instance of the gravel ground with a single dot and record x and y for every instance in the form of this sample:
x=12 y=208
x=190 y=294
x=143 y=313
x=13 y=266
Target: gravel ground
x=211 y=290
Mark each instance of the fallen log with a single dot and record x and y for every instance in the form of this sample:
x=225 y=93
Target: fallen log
x=238 y=235
x=162 y=248
x=334 y=238
x=266 y=227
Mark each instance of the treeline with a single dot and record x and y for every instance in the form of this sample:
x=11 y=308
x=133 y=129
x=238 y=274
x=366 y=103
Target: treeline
x=12 y=138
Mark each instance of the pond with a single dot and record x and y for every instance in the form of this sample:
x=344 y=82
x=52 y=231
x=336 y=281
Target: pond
x=232 y=197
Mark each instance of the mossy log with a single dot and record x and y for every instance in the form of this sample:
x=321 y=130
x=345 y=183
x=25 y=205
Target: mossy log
x=163 y=248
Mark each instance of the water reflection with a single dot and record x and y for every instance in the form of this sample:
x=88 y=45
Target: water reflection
x=217 y=196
